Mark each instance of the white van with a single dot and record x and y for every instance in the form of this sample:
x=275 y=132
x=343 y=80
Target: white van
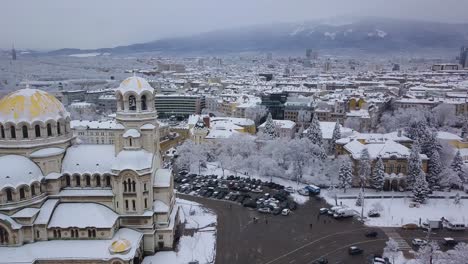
x=456 y=227
x=345 y=212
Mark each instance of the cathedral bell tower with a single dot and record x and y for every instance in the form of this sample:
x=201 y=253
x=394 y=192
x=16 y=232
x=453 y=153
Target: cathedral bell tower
x=137 y=115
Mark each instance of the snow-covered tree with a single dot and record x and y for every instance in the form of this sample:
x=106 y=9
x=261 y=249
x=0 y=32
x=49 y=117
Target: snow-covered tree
x=434 y=169
x=457 y=165
x=420 y=188
x=428 y=142
x=345 y=175
x=256 y=113
x=457 y=198
x=449 y=178
x=314 y=133
x=335 y=137
x=299 y=153
x=270 y=128
x=364 y=166
x=429 y=254
x=378 y=175
x=300 y=132
x=414 y=166
x=444 y=115
x=465 y=129
x=360 y=198
x=416 y=130
x=191 y=155
x=391 y=249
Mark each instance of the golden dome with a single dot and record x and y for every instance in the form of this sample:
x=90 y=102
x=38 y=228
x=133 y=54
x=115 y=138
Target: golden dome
x=29 y=105
x=120 y=246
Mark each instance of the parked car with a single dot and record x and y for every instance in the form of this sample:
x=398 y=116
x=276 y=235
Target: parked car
x=355 y=250
x=303 y=192
x=379 y=260
x=410 y=226
x=276 y=211
x=323 y=211
x=371 y=233
x=456 y=227
x=265 y=210
x=417 y=242
x=320 y=261
x=343 y=213
x=289 y=189
x=373 y=213
x=449 y=242
x=285 y=211
x=257 y=190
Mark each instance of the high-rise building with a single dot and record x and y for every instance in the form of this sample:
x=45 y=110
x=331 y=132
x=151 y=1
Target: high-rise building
x=309 y=53
x=463 y=59
x=13 y=53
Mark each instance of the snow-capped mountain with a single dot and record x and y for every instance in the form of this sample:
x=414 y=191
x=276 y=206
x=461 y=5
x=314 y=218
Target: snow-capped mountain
x=372 y=34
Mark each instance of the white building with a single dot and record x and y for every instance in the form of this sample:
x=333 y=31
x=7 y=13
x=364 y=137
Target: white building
x=62 y=202
x=284 y=128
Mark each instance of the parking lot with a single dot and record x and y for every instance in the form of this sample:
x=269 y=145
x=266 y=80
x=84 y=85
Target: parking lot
x=301 y=237
x=266 y=197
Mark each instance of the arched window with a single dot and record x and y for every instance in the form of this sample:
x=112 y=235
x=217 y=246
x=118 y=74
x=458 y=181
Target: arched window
x=49 y=130
x=77 y=180
x=133 y=186
x=89 y=233
x=94 y=233
x=3 y=236
x=55 y=233
x=59 y=131
x=22 y=193
x=143 y=103
x=67 y=180
x=37 y=129
x=129 y=185
x=88 y=180
x=25 y=131
x=130 y=142
x=59 y=233
x=126 y=204
x=2 y=129
x=13 y=132
x=125 y=186
x=98 y=180
x=9 y=195
x=108 y=181
x=33 y=190
x=133 y=205
x=131 y=103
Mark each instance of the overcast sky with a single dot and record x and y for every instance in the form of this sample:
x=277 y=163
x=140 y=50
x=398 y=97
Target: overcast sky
x=52 y=24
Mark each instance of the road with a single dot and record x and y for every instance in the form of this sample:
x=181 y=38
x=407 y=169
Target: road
x=287 y=239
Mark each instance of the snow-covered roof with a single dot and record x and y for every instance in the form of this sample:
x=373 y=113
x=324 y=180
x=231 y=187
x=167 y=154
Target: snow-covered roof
x=447 y=136
x=135 y=84
x=288 y=124
x=86 y=124
x=148 y=126
x=13 y=224
x=358 y=113
x=82 y=215
x=221 y=134
x=46 y=212
x=29 y=105
x=133 y=160
x=17 y=170
x=89 y=159
x=375 y=137
x=132 y=133
x=47 y=152
x=162 y=178
x=160 y=207
x=386 y=150
x=89 y=249
x=328 y=127
x=26 y=213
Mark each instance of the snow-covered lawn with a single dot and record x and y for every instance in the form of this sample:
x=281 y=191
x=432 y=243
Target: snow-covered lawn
x=201 y=246
x=397 y=211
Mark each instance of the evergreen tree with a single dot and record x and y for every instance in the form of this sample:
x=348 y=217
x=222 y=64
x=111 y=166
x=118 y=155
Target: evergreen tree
x=420 y=188
x=457 y=165
x=428 y=142
x=335 y=137
x=360 y=198
x=270 y=127
x=434 y=170
x=364 y=166
x=465 y=129
x=378 y=175
x=314 y=133
x=416 y=130
x=414 y=166
x=345 y=176
x=456 y=199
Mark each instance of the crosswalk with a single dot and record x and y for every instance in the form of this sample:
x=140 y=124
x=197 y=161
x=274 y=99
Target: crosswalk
x=392 y=233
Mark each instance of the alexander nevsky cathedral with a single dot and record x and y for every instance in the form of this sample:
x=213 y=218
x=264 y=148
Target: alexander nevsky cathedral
x=64 y=202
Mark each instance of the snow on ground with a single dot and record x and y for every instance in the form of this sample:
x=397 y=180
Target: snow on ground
x=85 y=55
x=213 y=169
x=201 y=246
x=396 y=211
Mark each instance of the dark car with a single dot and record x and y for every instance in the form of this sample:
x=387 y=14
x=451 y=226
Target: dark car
x=355 y=250
x=373 y=213
x=371 y=233
x=449 y=242
x=292 y=205
x=250 y=203
x=276 y=211
x=320 y=261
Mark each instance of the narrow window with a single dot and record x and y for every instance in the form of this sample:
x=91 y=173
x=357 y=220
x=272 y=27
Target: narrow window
x=146 y=203
x=33 y=190
x=88 y=180
x=78 y=180
x=37 y=129
x=67 y=180
x=9 y=195
x=126 y=204
x=2 y=131
x=25 y=131
x=59 y=132
x=22 y=194
x=133 y=204
x=132 y=103
x=49 y=130
x=108 y=182
x=13 y=132
x=98 y=181
x=143 y=103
